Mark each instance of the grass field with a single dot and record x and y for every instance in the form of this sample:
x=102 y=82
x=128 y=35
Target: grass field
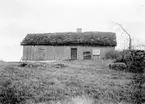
x=64 y=82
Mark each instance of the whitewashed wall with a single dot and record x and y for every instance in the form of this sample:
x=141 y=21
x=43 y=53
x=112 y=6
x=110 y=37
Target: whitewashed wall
x=37 y=53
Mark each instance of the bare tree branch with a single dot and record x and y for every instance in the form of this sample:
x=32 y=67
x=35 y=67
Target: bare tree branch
x=130 y=40
x=122 y=33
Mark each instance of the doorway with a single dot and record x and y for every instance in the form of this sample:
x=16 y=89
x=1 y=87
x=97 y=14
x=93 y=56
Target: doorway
x=73 y=53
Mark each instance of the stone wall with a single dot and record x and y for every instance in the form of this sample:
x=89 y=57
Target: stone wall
x=134 y=59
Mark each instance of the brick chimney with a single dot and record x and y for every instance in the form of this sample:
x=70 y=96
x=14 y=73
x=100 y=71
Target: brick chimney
x=79 y=30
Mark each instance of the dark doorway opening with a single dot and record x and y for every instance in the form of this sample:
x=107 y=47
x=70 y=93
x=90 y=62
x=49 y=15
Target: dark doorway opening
x=73 y=53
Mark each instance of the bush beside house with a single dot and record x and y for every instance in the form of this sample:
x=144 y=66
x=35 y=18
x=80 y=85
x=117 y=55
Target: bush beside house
x=111 y=54
x=134 y=60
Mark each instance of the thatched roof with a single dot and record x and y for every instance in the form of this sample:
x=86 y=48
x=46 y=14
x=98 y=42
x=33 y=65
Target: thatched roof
x=72 y=38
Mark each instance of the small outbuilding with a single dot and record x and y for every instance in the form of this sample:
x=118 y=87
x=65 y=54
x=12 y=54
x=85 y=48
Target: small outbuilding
x=67 y=45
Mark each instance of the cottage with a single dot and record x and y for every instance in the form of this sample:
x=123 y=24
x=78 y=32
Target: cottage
x=67 y=45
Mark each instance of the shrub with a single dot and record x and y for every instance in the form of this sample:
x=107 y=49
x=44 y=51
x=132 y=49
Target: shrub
x=13 y=90
x=111 y=54
x=10 y=94
x=134 y=59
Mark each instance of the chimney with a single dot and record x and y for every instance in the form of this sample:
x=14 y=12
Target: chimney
x=79 y=30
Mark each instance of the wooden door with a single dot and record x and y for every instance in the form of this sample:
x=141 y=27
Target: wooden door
x=74 y=53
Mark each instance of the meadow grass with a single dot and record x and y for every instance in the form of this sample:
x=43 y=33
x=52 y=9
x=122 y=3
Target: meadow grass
x=64 y=82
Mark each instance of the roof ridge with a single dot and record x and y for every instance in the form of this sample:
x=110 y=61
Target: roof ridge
x=75 y=32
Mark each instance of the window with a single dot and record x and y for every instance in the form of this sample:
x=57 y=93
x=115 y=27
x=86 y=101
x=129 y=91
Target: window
x=87 y=55
x=96 y=52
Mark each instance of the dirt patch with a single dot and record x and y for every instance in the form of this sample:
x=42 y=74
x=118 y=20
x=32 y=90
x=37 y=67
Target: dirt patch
x=32 y=65
x=59 y=65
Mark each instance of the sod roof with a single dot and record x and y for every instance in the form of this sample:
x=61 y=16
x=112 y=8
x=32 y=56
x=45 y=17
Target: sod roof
x=72 y=38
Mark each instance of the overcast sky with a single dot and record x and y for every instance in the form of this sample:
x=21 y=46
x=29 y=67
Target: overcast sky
x=20 y=17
